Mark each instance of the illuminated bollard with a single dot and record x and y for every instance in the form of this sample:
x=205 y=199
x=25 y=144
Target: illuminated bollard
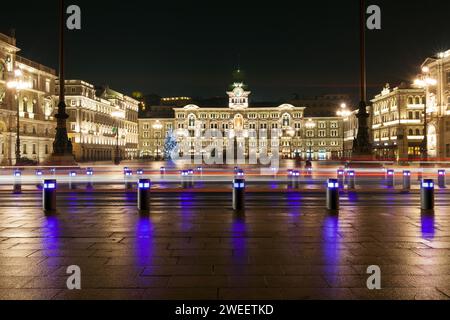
x=200 y=171
x=144 y=195
x=341 y=178
x=240 y=174
x=140 y=172
x=390 y=175
x=295 y=179
x=162 y=171
x=128 y=180
x=49 y=196
x=90 y=175
x=17 y=189
x=441 y=179
x=239 y=195
x=427 y=194
x=274 y=172
x=406 y=180
x=185 y=179
x=53 y=171
x=289 y=179
x=39 y=175
x=72 y=177
x=351 y=180
x=191 y=176
x=333 y=195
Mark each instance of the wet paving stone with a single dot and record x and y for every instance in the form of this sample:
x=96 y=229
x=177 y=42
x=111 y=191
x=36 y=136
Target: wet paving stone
x=206 y=252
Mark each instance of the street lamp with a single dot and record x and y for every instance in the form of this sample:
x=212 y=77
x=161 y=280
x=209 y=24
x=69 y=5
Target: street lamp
x=425 y=81
x=157 y=127
x=117 y=115
x=18 y=84
x=344 y=113
x=310 y=125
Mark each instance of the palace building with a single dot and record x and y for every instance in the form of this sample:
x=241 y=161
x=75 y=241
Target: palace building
x=94 y=116
x=248 y=126
x=398 y=123
x=438 y=105
x=26 y=96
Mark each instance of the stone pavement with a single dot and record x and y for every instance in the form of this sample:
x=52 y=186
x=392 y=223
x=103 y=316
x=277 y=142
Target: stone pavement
x=203 y=251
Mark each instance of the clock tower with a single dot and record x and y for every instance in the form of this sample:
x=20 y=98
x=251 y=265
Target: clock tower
x=239 y=96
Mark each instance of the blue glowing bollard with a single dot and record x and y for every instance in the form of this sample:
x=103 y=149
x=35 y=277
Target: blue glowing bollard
x=274 y=172
x=351 y=179
x=144 y=188
x=200 y=170
x=90 y=174
x=406 y=180
x=49 y=196
x=17 y=189
x=341 y=178
x=72 y=177
x=185 y=179
x=162 y=171
x=39 y=175
x=128 y=180
x=53 y=171
x=140 y=172
x=390 y=175
x=295 y=179
x=240 y=173
x=333 y=194
x=442 y=179
x=239 y=195
x=427 y=194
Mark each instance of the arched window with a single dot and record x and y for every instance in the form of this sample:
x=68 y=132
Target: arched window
x=411 y=132
x=286 y=121
x=410 y=100
x=191 y=121
x=417 y=100
x=417 y=132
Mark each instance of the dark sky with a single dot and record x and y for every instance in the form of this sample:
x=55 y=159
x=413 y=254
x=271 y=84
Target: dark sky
x=191 y=47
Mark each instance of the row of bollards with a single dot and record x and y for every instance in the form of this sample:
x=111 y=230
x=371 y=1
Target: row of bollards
x=239 y=186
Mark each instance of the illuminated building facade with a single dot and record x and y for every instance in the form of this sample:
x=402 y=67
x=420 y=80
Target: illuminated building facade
x=34 y=102
x=438 y=105
x=94 y=116
x=398 y=123
x=250 y=128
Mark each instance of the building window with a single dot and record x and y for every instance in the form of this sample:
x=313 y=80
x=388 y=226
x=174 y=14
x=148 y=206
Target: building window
x=24 y=149
x=334 y=133
x=46 y=149
x=448 y=77
x=322 y=133
x=34 y=149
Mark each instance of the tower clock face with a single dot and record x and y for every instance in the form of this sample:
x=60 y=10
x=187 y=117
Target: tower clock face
x=238 y=92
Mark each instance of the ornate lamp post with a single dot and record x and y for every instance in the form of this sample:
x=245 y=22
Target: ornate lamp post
x=344 y=113
x=117 y=115
x=310 y=125
x=425 y=81
x=18 y=84
x=157 y=127
x=362 y=146
x=62 y=146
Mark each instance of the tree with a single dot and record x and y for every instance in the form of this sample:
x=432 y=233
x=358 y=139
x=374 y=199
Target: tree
x=170 y=145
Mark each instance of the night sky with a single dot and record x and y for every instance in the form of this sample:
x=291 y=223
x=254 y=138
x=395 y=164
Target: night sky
x=189 y=48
